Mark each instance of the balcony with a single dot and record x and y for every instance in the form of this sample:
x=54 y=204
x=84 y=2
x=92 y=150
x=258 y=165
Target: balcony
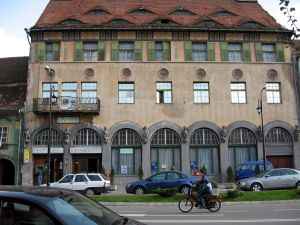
x=67 y=105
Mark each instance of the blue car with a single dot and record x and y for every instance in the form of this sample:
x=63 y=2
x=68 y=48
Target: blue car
x=247 y=169
x=162 y=180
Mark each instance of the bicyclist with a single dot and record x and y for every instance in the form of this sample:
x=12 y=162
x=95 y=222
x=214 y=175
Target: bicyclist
x=202 y=187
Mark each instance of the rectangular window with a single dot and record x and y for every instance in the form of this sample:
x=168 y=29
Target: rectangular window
x=89 y=92
x=199 y=51
x=234 y=52
x=273 y=93
x=52 y=51
x=238 y=93
x=3 y=135
x=159 y=51
x=46 y=89
x=201 y=92
x=90 y=51
x=164 y=92
x=69 y=90
x=126 y=93
x=269 y=52
x=126 y=51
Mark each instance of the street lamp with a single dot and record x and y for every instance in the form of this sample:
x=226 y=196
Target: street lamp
x=50 y=73
x=259 y=110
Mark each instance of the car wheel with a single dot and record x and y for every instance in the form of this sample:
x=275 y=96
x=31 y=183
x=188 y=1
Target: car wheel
x=185 y=189
x=139 y=191
x=90 y=192
x=256 y=187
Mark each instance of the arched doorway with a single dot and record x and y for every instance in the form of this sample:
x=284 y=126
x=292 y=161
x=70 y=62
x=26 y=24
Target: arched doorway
x=279 y=148
x=242 y=146
x=204 y=150
x=7 y=172
x=126 y=152
x=165 y=150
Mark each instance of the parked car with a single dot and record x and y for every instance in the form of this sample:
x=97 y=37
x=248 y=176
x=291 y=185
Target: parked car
x=51 y=206
x=162 y=180
x=273 y=179
x=248 y=169
x=87 y=183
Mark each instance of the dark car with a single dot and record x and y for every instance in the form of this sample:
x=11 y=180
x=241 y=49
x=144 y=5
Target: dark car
x=162 y=180
x=49 y=206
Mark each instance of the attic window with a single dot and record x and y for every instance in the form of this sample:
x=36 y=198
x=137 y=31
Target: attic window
x=207 y=23
x=140 y=11
x=70 y=22
x=252 y=25
x=164 y=22
x=118 y=22
x=97 y=12
x=180 y=11
x=223 y=13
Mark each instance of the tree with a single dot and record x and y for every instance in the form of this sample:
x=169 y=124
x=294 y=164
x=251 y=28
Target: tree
x=290 y=12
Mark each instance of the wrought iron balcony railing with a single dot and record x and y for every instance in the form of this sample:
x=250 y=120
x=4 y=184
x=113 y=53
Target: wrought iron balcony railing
x=67 y=105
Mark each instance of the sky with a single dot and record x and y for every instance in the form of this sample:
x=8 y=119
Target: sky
x=15 y=15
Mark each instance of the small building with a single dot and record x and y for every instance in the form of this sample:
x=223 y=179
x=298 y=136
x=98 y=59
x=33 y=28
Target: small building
x=13 y=86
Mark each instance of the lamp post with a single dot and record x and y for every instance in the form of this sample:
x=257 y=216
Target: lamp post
x=50 y=73
x=259 y=110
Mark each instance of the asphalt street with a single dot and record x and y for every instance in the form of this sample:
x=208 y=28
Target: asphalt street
x=252 y=213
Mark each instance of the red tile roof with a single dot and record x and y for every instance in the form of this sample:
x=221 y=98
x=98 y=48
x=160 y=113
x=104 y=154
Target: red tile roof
x=239 y=13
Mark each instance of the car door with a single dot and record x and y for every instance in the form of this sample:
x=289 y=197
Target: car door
x=173 y=180
x=66 y=182
x=272 y=179
x=156 y=181
x=80 y=183
x=96 y=180
x=289 y=178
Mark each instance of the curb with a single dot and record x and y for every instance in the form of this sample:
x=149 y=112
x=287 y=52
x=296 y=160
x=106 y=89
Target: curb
x=175 y=203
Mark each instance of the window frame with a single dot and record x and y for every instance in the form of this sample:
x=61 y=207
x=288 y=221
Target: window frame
x=238 y=91
x=123 y=50
x=164 y=90
x=200 y=91
x=266 y=51
x=6 y=135
x=55 y=57
x=92 y=100
x=69 y=90
x=199 y=51
x=235 y=51
x=158 y=50
x=126 y=90
x=55 y=91
x=90 y=51
x=273 y=91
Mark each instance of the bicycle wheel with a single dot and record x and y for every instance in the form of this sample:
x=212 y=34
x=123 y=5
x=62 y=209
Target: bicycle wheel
x=214 y=205
x=185 y=205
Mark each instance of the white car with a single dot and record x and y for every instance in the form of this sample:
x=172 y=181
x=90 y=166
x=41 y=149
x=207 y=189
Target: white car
x=87 y=183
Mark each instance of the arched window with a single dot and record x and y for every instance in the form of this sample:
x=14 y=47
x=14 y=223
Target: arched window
x=87 y=136
x=71 y=22
x=278 y=135
x=165 y=150
x=126 y=152
x=242 y=136
x=41 y=138
x=180 y=11
x=141 y=11
x=204 y=136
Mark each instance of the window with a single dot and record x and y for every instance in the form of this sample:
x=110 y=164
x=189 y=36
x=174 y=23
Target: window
x=89 y=92
x=201 y=92
x=52 y=51
x=159 y=51
x=94 y=178
x=90 y=51
x=199 y=52
x=69 y=90
x=3 y=135
x=80 y=178
x=273 y=93
x=126 y=93
x=234 y=52
x=173 y=176
x=41 y=139
x=87 y=137
x=67 y=179
x=238 y=93
x=159 y=177
x=268 y=52
x=47 y=87
x=126 y=51
x=164 y=92
x=275 y=173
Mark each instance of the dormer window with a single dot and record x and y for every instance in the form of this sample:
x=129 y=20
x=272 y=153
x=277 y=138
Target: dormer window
x=97 y=12
x=223 y=13
x=252 y=25
x=140 y=11
x=119 y=22
x=207 y=23
x=163 y=22
x=71 y=22
x=180 y=11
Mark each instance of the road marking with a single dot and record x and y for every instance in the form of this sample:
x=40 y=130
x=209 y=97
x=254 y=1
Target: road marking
x=284 y=210
x=220 y=221
x=234 y=211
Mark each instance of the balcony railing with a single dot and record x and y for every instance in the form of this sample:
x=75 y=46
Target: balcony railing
x=67 y=105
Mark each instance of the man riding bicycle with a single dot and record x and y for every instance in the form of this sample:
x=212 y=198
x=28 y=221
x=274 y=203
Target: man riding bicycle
x=203 y=188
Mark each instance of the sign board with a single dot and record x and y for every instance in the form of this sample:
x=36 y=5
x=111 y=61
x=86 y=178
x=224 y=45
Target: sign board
x=124 y=170
x=126 y=151
x=44 y=150
x=27 y=154
x=67 y=120
x=86 y=150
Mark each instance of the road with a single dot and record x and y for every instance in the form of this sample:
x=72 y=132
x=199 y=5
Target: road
x=235 y=214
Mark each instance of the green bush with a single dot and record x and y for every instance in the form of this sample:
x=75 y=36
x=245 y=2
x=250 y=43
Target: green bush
x=233 y=194
x=230 y=174
x=166 y=192
x=203 y=168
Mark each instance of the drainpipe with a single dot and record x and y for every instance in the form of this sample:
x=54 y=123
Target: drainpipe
x=21 y=146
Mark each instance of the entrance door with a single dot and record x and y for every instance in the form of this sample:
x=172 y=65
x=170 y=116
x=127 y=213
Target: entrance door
x=281 y=161
x=7 y=172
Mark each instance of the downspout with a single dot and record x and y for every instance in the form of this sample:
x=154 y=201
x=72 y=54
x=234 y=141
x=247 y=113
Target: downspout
x=21 y=146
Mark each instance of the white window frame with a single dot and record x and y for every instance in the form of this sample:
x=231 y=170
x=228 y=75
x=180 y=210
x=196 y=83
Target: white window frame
x=161 y=97
x=201 y=94
x=238 y=93
x=3 y=135
x=129 y=92
x=272 y=91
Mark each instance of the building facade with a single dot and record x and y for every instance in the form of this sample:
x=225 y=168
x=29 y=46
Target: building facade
x=146 y=86
x=13 y=83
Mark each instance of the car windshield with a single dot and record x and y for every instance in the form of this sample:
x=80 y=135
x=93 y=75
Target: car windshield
x=243 y=167
x=86 y=211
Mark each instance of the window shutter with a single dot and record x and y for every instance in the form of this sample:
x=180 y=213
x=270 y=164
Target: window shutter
x=167 y=51
x=259 y=54
x=138 y=50
x=115 y=51
x=188 y=51
x=224 y=51
x=246 y=52
x=280 y=52
x=40 y=51
x=101 y=51
x=78 y=51
x=151 y=51
x=211 y=51
x=56 y=49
